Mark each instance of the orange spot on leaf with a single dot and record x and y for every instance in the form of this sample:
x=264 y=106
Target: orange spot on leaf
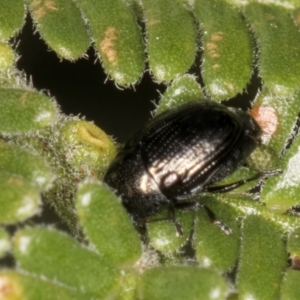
x=267 y=118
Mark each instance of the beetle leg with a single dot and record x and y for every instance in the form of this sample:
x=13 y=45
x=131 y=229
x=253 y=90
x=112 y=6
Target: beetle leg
x=196 y=205
x=171 y=216
x=189 y=206
x=232 y=186
x=214 y=220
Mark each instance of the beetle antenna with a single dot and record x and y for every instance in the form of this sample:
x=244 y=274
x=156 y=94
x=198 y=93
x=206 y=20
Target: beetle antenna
x=234 y=185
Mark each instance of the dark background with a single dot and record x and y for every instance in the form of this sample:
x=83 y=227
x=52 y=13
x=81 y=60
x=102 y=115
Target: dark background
x=82 y=88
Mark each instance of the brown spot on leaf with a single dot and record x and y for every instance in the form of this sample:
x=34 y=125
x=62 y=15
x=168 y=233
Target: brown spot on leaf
x=36 y=3
x=216 y=66
x=42 y=7
x=23 y=98
x=217 y=36
x=15 y=181
x=212 y=50
x=295 y=262
x=270 y=17
x=230 y=86
x=153 y=22
x=212 y=46
x=267 y=119
x=107 y=45
x=297 y=19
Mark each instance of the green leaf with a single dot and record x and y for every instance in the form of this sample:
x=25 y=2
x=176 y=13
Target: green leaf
x=163 y=235
x=214 y=247
x=180 y=91
x=171 y=38
x=11 y=17
x=22 y=110
x=290 y=288
x=293 y=244
x=290 y=285
x=16 y=161
x=262 y=260
x=61 y=26
x=282 y=192
x=117 y=38
x=19 y=200
x=7 y=57
x=5 y=244
x=293 y=248
x=278 y=41
x=276 y=115
x=241 y=205
x=87 y=146
x=107 y=224
x=227 y=56
x=187 y=283
x=263 y=158
x=23 y=286
x=244 y=205
x=60 y=258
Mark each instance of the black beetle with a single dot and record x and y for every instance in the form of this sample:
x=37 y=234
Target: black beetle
x=180 y=154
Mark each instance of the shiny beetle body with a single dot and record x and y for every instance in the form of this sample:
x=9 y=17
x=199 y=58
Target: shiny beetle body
x=180 y=154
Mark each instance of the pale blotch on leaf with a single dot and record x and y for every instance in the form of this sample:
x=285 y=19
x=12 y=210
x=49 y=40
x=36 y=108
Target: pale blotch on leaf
x=153 y=22
x=86 y=199
x=42 y=7
x=279 y=89
x=216 y=66
x=107 y=45
x=43 y=117
x=297 y=19
x=88 y=146
x=215 y=293
x=212 y=46
x=291 y=176
x=24 y=242
x=160 y=71
x=206 y=261
x=64 y=52
x=249 y=297
x=6 y=56
x=24 y=98
x=229 y=85
x=27 y=207
x=217 y=88
x=4 y=246
x=92 y=135
x=161 y=242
